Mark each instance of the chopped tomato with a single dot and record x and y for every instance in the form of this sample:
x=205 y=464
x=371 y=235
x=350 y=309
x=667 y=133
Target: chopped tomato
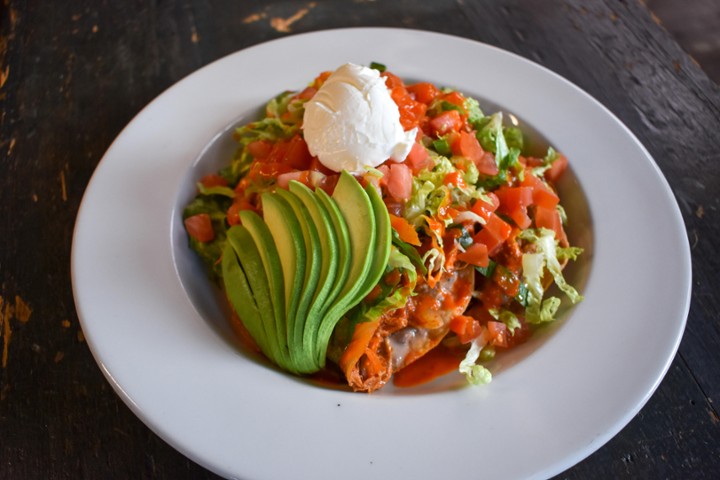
x=307 y=93
x=418 y=159
x=297 y=154
x=494 y=233
x=424 y=92
x=550 y=218
x=446 y=122
x=259 y=149
x=320 y=79
x=455 y=98
x=268 y=170
x=514 y=202
x=557 y=168
x=392 y=80
x=200 y=227
x=483 y=208
x=317 y=166
x=302 y=176
x=465 y=327
x=406 y=231
x=454 y=178
x=498 y=333
x=213 y=180
x=476 y=254
x=487 y=165
x=399 y=182
x=541 y=193
x=508 y=279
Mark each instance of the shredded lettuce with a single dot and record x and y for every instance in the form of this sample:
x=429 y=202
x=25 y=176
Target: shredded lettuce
x=534 y=265
x=491 y=136
x=507 y=317
x=472 y=107
x=474 y=373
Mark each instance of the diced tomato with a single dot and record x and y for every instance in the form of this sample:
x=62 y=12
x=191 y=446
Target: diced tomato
x=277 y=152
x=213 y=180
x=557 y=168
x=487 y=165
x=498 y=333
x=542 y=194
x=392 y=80
x=466 y=328
x=446 y=122
x=456 y=98
x=399 y=182
x=476 y=254
x=316 y=165
x=297 y=154
x=483 y=208
x=514 y=202
x=411 y=111
x=507 y=279
x=320 y=79
x=424 y=92
x=302 y=176
x=454 y=178
x=328 y=183
x=550 y=218
x=494 y=233
x=233 y=214
x=418 y=158
x=467 y=145
x=259 y=149
x=307 y=93
x=200 y=227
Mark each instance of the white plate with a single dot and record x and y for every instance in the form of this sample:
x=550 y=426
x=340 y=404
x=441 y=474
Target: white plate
x=153 y=332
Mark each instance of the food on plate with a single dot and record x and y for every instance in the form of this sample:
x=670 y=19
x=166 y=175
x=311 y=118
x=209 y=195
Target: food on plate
x=378 y=230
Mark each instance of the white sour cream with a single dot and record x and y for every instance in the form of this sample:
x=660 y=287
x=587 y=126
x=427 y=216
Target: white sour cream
x=352 y=122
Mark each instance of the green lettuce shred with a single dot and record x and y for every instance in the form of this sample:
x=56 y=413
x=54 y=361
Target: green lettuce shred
x=474 y=373
x=534 y=265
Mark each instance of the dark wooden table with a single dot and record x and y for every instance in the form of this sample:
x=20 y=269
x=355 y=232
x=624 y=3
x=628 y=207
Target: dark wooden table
x=73 y=74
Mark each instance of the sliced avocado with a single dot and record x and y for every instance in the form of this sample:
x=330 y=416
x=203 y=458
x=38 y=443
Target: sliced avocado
x=343 y=237
x=252 y=265
x=359 y=216
x=383 y=240
x=287 y=234
x=329 y=251
x=313 y=261
x=292 y=275
x=273 y=269
x=241 y=298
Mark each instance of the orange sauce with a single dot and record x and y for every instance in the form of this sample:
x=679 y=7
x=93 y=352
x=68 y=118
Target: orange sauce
x=437 y=362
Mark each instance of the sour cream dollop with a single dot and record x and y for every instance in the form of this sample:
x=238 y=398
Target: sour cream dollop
x=352 y=122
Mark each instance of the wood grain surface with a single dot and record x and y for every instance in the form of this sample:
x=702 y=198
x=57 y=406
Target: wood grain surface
x=73 y=74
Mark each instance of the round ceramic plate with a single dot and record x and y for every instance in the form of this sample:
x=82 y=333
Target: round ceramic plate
x=157 y=331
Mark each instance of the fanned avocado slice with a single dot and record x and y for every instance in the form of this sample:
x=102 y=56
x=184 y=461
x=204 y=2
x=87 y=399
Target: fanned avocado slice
x=359 y=217
x=293 y=274
x=344 y=253
x=287 y=234
x=329 y=250
x=273 y=269
x=313 y=261
x=252 y=265
x=383 y=240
